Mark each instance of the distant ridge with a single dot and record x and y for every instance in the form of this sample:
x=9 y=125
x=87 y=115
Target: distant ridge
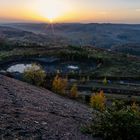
x=102 y=35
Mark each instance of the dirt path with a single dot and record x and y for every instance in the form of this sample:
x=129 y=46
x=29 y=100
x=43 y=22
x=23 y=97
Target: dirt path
x=28 y=112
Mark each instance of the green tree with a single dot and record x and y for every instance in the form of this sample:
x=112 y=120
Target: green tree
x=105 y=82
x=35 y=75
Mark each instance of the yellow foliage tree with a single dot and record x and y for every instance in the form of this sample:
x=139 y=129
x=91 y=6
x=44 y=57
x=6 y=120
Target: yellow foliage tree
x=35 y=75
x=134 y=107
x=98 y=101
x=74 y=91
x=59 y=85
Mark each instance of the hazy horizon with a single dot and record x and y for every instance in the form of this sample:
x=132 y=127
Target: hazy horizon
x=37 y=22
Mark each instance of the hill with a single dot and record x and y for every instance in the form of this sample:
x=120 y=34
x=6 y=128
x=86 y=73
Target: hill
x=28 y=112
x=100 y=35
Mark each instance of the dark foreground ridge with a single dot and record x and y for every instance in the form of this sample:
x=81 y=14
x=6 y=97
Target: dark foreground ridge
x=28 y=112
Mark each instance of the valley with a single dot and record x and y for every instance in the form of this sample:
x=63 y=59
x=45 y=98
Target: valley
x=76 y=62
x=85 y=66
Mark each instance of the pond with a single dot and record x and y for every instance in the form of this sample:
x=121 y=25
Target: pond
x=49 y=65
x=18 y=68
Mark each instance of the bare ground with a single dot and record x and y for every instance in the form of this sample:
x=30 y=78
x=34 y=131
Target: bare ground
x=31 y=113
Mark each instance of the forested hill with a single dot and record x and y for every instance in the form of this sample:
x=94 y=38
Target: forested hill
x=109 y=36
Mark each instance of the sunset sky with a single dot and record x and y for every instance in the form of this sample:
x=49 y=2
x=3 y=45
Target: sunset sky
x=114 y=11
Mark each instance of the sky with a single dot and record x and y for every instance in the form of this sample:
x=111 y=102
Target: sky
x=85 y=11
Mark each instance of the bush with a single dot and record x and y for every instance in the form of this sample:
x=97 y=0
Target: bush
x=74 y=91
x=97 y=101
x=59 y=85
x=35 y=75
x=117 y=123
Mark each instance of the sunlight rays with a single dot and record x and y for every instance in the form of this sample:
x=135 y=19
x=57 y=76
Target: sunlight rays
x=51 y=9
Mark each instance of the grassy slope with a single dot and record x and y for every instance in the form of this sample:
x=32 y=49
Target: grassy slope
x=116 y=65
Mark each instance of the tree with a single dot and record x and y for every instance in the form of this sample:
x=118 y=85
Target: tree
x=98 y=100
x=59 y=84
x=74 y=91
x=134 y=107
x=105 y=81
x=35 y=75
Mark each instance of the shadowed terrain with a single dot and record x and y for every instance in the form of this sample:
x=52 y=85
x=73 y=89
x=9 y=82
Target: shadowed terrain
x=28 y=112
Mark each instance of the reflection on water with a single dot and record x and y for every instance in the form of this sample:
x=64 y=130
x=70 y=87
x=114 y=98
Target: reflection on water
x=73 y=67
x=19 y=68
x=49 y=65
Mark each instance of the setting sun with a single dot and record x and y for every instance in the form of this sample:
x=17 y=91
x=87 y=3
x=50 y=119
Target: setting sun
x=51 y=9
x=70 y=11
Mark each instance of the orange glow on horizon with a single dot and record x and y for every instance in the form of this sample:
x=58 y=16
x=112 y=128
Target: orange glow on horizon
x=66 y=11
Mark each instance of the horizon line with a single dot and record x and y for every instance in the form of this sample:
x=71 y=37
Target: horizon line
x=37 y=22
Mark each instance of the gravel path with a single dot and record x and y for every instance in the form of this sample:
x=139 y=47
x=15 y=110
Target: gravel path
x=31 y=113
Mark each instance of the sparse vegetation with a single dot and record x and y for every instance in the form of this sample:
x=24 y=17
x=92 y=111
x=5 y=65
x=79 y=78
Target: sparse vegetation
x=116 y=122
x=110 y=65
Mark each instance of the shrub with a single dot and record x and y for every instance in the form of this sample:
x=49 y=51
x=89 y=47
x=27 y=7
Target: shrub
x=35 y=75
x=59 y=85
x=74 y=91
x=117 y=123
x=97 y=101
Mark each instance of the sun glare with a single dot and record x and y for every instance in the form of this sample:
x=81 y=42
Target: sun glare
x=52 y=9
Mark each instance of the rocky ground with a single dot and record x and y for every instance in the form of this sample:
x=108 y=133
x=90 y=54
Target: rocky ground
x=31 y=113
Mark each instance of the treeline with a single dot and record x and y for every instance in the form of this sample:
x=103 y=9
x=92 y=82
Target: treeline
x=7 y=45
x=79 y=54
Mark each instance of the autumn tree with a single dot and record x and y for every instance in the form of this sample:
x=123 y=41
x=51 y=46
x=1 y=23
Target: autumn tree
x=134 y=107
x=98 y=101
x=74 y=91
x=59 y=84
